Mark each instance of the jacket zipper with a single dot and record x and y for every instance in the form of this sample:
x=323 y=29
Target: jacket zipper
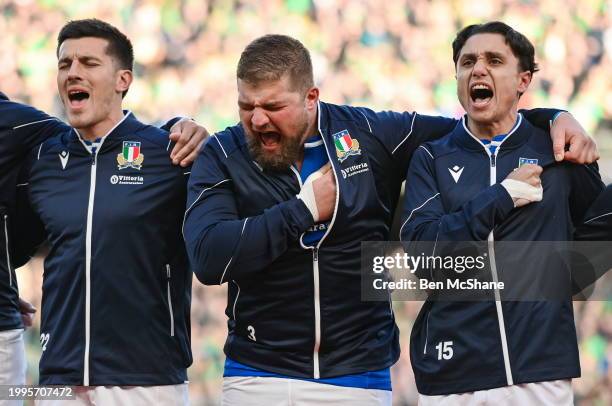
x=315 y=258
x=170 y=301
x=8 y=254
x=88 y=237
x=498 y=303
x=317 y=309
x=491 y=248
x=317 y=302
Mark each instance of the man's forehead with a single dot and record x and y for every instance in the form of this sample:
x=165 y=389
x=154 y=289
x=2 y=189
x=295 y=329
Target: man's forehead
x=271 y=90
x=485 y=42
x=83 y=47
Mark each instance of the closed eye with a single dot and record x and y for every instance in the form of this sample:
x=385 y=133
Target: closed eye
x=63 y=64
x=274 y=107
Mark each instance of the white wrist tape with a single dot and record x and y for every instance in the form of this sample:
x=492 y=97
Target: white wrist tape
x=307 y=194
x=308 y=197
x=522 y=190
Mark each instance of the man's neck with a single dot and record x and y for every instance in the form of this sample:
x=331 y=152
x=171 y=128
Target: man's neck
x=488 y=130
x=101 y=128
x=311 y=130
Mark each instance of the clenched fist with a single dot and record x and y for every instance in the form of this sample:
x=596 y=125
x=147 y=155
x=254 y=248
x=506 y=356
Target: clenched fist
x=524 y=184
x=325 y=193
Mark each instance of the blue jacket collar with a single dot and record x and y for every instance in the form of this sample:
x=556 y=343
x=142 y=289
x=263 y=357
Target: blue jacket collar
x=517 y=136
x=128 y=125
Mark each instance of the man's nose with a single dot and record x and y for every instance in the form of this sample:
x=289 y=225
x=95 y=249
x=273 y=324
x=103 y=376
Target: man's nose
x=75 y=70
x=480 y=68
x=260 y=119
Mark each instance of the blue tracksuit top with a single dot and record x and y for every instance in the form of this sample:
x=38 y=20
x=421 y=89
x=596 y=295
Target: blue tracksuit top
x=453 y=194
x=117 y=286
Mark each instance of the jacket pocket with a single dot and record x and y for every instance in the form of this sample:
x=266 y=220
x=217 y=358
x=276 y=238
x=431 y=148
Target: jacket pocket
x=169 y=293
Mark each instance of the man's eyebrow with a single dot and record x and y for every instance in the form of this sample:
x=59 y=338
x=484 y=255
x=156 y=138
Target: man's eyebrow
x=272 y=104
x=83 y=58
x=469 y=55
x=267 y=105
x=494 y=54
x=87 y=58
x=488 y=54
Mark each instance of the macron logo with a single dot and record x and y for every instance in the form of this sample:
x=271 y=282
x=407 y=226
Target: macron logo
x=63 y=156
x=456 y=172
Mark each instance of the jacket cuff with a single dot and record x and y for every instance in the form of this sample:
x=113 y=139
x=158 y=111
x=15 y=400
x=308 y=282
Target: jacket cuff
x=505 y=204
x=301 y=214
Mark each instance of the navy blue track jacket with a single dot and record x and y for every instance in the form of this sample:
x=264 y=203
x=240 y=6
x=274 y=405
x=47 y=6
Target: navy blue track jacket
x=494 y=343
x=117 y=286
x=21 y=129
x=593 y=257
x=597 y=225
x=294 y=309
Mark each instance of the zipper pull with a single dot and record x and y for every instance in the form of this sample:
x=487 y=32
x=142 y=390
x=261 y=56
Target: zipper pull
x=168 y=271
x=494 y=159
x=315 y=254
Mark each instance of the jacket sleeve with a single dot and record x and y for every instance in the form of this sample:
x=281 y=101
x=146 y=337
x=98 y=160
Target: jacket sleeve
x=586 y=186
x=168 y=124
x=541 y=118
x=424 y=217
x=28 y=232
x=24 y=128
x=592 y=257
x=597 y=224
x=402 y=133
x=220 y=243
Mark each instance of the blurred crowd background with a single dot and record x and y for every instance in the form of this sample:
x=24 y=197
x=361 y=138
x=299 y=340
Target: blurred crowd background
x=392 y=54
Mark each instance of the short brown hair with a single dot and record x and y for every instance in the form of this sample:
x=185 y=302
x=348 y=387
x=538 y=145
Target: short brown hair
x=271 y=57
x=521 y=47
x=119 y=46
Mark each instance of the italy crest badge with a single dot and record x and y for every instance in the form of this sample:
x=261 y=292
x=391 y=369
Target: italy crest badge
x=345 y=145
x=130 y=156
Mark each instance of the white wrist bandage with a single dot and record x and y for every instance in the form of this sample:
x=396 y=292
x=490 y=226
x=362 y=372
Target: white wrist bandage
x=308 y=197
x=522 y=190
x=307 y=194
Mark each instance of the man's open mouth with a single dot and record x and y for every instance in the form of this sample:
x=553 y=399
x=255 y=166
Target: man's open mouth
x=481 y=94
x=270 y=139
x=77 y=98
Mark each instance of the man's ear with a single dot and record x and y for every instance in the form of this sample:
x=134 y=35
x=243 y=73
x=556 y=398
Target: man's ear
x=312 y=97
x=124 y=80
x=524 y=81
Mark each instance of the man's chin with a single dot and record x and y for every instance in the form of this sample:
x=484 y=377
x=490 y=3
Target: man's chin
x=481 y=115
x=77 y=120
x=269 y=160
x=271 y=150
x=274 y=156
x=272 y=162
